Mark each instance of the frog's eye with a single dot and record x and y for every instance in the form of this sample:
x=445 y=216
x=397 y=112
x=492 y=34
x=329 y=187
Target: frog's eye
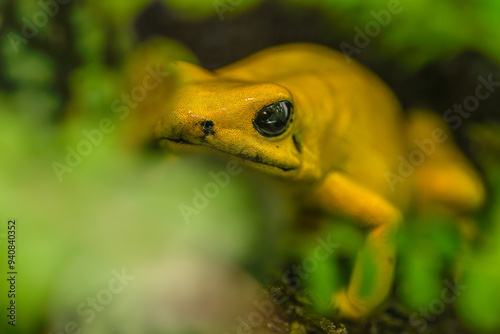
x=274 y=119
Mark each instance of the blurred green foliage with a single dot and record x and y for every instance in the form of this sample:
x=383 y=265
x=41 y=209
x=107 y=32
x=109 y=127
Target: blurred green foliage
x=112 y=211
x=65 y=78
x=422 y=30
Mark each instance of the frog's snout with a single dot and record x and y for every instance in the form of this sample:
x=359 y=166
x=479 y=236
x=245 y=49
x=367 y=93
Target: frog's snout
x=186 y=128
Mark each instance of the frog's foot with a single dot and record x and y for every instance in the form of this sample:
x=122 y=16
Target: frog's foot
x=350 y=307
x=373 y=271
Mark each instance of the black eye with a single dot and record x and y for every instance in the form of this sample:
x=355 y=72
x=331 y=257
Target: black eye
x=273 y=120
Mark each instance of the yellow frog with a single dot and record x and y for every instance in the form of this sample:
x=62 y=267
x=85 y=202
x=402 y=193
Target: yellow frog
x=336 y=133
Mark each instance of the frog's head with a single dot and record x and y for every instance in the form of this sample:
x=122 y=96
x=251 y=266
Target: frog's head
x=253 y=122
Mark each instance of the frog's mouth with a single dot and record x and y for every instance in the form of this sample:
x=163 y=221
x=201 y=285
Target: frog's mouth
x=252 y=158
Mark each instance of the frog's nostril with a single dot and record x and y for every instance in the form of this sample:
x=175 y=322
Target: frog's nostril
x=208 y=127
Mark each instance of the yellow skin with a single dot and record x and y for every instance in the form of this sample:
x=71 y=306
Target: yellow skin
x=345 y=133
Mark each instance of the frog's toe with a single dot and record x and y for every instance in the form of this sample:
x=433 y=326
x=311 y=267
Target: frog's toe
x=347 y=306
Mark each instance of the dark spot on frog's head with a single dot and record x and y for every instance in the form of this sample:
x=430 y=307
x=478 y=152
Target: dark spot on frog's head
x=208 y=128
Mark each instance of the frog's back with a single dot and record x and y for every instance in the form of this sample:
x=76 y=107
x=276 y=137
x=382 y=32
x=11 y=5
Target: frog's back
x=279 y=62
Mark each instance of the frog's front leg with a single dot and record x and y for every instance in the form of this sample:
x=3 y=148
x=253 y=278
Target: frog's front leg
x=341 y=195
